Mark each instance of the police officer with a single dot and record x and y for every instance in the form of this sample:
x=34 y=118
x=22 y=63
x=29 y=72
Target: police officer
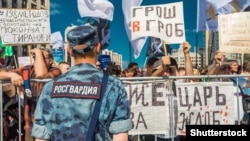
x=65 y=107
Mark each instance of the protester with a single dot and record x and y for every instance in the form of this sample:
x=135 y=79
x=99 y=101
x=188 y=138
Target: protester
x=246 y=68
x=10 y=105
x=149 y=65
x=129 y=72
x=64 y=67
x=246 y=95
x=241 y=84
x=164 y=67
x=118 y=70
x=41 y=69
x=135 y=66
x=64 y=115
x=167 y=66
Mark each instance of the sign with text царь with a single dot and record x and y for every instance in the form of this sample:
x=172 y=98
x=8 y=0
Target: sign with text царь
x=22 y=26
x=161 y=21
x=204 y=103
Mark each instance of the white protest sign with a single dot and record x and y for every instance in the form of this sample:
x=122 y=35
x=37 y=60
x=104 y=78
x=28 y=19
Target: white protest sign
x=19 y=26
x=148 y=107
x=204 y=103
x=23 y=61
x=234 y=32
x=161 y=21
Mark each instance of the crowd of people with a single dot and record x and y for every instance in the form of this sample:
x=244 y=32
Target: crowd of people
x=61 y=108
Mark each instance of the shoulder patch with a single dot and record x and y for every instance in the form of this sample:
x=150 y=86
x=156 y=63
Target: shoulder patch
x=84 y=90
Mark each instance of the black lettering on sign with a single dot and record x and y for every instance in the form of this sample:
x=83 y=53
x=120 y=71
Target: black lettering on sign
x=197 y=98
x=27 y=13
x=153 y=92
x=161 y=12
x=207 y=94
x=170 y=29
x=147 y=10
x=134 y=12
x=141 y=120
x=139 y=96
x=21 y=30
x=183 y=98
x=31 y=38
x=156 y=94
x=198 y=118
x=220 y=98
x=132 y=115
x=138 y=120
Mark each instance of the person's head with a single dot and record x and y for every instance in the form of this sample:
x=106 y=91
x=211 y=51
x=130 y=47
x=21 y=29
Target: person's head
x=84 y=44
x=203 y=71
x=246 y=67
x=149 y=65
x=196 y=72
x=118 y=70
x=225 y=69
x=48 y=56
x=144 y=71
x=173 y=62
x=64 y=67
x=133 y=65
x=234 y=67
x=182 y=71
x=129 y=72
x=172 y=68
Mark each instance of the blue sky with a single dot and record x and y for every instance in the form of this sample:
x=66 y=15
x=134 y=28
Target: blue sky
x=65 y=12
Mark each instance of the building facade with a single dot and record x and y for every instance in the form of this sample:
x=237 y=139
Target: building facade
x=179 y=57
x=115 y=57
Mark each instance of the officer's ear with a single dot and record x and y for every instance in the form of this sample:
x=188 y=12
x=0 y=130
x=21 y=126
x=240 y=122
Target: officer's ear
x=69 y=50
x=98 y=48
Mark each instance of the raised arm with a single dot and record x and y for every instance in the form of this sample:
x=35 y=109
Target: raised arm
x=188 y=62
x=218 y=59
x=163 y=66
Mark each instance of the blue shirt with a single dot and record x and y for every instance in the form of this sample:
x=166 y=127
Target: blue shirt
x=65 y=118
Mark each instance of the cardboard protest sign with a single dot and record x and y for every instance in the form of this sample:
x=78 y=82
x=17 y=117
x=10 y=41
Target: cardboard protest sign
x=161 y=21
x=204 y=103
x=149 y=107
x=22 y=26
x=234 y=32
